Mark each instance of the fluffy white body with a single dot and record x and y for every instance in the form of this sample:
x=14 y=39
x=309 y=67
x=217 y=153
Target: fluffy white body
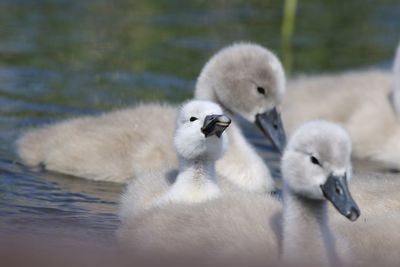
x=110 y=147
x=241 y=224
x=195 y=181
x=377 y=193
x=122 y=144
x=396 y=73
x=371 y=242
x=197 y=154
x=363 y=102
x=143 y=193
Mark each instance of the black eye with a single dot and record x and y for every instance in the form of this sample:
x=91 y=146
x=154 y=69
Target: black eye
x=193 y=118
x=314 y=160
x=261 y=90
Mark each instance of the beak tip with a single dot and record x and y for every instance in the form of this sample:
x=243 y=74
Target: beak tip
x=343 y=201
x=353 y=214
x=215 y=125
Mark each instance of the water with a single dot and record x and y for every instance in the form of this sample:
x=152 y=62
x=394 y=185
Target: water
x=60 y=59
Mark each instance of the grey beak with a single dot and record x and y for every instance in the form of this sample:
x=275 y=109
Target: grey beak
x=270 y=123
x=336 y=191
x=215 y=125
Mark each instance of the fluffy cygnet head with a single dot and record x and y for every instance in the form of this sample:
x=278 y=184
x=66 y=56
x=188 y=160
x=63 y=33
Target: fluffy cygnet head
x=200 y=132
x=317 y=165
x=247 y=79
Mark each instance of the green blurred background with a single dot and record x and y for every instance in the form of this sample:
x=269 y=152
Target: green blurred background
x=101 y=54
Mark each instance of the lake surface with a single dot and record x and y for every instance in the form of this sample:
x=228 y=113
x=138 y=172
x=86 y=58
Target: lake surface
x=63 y=58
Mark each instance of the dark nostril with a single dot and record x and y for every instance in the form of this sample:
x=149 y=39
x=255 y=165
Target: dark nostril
x=338 y=191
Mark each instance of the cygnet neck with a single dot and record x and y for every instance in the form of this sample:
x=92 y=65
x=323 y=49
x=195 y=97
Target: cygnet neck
x=198 y=171
x=307 y=239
